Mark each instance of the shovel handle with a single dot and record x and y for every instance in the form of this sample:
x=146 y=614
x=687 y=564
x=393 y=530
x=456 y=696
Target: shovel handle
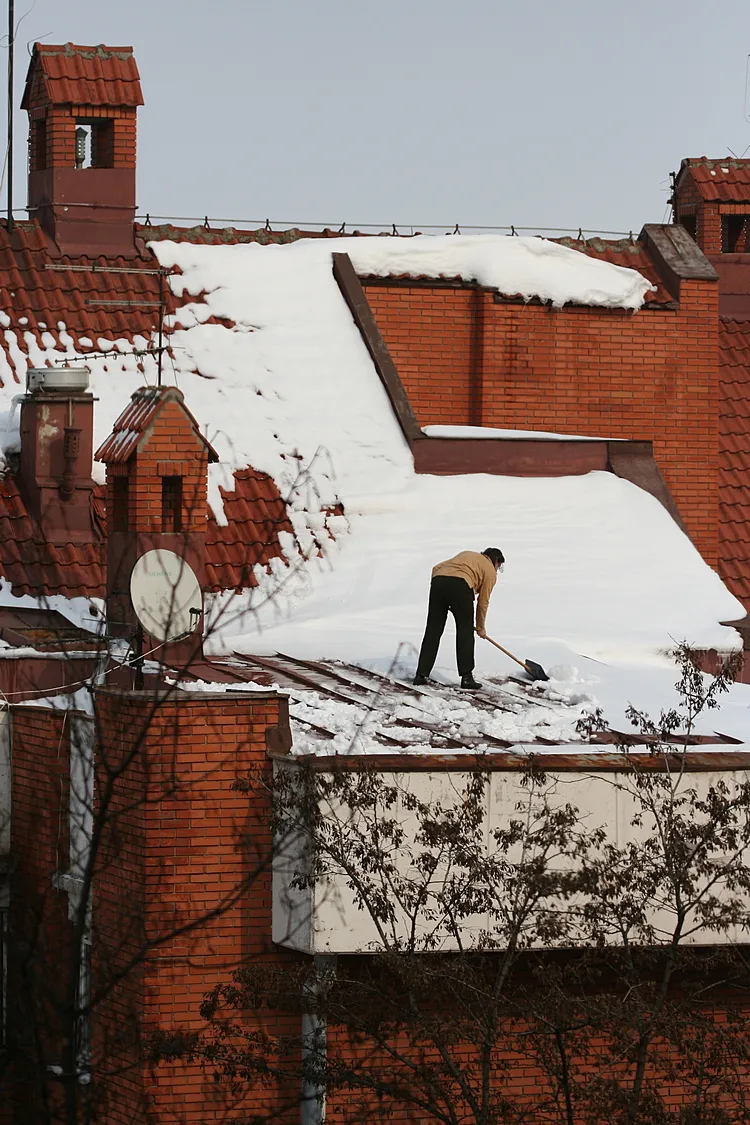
x=510 y=654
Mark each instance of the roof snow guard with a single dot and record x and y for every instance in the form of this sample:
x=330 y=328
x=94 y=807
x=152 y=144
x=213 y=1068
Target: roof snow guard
x=94 y=76
x=134 y=424
x=718 y=181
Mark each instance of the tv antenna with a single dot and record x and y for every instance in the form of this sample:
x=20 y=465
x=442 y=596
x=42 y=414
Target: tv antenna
x=161 y=304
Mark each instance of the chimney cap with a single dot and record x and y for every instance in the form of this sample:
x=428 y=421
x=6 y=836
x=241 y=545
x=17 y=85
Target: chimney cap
x=70 y=380
x=77 y=75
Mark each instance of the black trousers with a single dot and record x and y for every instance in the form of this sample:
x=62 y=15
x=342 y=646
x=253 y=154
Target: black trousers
x=457 y=597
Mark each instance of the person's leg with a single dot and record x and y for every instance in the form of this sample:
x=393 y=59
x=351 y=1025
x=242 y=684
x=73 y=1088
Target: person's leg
x=437 y=613
x=462 y=608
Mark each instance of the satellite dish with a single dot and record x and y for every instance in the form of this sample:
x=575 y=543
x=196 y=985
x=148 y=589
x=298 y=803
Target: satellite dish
x=166 y=595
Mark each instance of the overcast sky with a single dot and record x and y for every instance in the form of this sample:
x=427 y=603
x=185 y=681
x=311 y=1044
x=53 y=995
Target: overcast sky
x=554 y=113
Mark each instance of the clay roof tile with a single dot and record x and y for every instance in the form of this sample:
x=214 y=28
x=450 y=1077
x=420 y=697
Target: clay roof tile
x=734 y=457
x=723 y=181
x=85 y=76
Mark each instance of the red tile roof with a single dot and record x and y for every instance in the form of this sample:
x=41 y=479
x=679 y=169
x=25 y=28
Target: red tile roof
x=86 y=76
x=39 y=300
x=45 y=304
x=136 y=418
x=722 y=181
x=256 y=515
x=734 y=457
x=34 y=566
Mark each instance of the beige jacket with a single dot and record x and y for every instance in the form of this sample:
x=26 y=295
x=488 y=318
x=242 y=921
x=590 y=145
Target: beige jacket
x=477 y=571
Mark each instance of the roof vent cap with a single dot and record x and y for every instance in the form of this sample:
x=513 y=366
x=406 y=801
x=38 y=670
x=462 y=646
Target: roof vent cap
x=69 y=380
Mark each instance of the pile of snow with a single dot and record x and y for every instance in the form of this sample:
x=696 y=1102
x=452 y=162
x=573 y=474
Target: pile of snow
x=591 y=560
x=483 y=432
x=527 y=267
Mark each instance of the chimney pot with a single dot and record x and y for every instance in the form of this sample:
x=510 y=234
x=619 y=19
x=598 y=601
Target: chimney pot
x=54 y=475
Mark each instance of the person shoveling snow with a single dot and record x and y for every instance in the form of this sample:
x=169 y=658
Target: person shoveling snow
x=454 y=585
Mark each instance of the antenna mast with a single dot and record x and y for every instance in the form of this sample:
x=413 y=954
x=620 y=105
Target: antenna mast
x=11 y=44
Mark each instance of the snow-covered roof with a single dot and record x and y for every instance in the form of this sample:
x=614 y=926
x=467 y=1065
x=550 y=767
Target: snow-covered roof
x=599 y=580
x=598 y=576
x=527 y=267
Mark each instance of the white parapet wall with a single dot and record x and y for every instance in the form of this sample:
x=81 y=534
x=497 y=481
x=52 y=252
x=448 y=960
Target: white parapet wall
x=346 y=893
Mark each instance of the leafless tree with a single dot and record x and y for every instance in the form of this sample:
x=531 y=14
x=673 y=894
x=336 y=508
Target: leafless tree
x=70 y=1037
x=549 y=970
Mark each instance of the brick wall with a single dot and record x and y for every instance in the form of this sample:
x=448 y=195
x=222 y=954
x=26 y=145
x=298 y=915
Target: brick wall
x=39 y=931
x=61 y=128
x=61 y=138
x=689 y=202
x=187 y=834
x=652 y=375
x=172 y=448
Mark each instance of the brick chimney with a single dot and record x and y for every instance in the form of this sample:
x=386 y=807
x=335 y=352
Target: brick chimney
x=82 y=104
x=57 y=433
x=157 y=494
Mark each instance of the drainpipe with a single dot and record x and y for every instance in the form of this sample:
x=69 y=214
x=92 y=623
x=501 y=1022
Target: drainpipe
x=314 y=1041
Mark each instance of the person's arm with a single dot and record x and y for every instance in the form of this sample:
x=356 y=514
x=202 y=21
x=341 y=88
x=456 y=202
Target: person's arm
x=483 y=600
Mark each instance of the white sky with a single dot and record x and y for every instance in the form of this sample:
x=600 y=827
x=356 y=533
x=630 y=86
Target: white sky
x=418 y=112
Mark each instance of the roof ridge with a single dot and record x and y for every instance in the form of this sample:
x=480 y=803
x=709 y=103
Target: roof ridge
x=101 y=51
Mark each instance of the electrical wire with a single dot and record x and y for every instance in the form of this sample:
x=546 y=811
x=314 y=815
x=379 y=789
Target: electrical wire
x=299 y=224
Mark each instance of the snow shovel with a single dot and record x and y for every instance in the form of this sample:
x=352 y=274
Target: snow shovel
x=534 y=670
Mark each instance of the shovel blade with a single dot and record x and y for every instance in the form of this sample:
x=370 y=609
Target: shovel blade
x=535 y=670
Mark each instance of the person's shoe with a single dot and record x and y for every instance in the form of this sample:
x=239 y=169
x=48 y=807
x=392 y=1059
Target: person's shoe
x=470 y=683
x=421 y=681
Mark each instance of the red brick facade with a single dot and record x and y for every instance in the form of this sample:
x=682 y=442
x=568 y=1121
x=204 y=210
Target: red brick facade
x=467 y=359
x=39 y=938
x=185 y=852
x=171 y=449
x=182 y=893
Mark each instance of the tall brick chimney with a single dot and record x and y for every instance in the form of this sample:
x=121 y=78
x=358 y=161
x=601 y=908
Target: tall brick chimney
x=82 y=104
x=57 y=433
